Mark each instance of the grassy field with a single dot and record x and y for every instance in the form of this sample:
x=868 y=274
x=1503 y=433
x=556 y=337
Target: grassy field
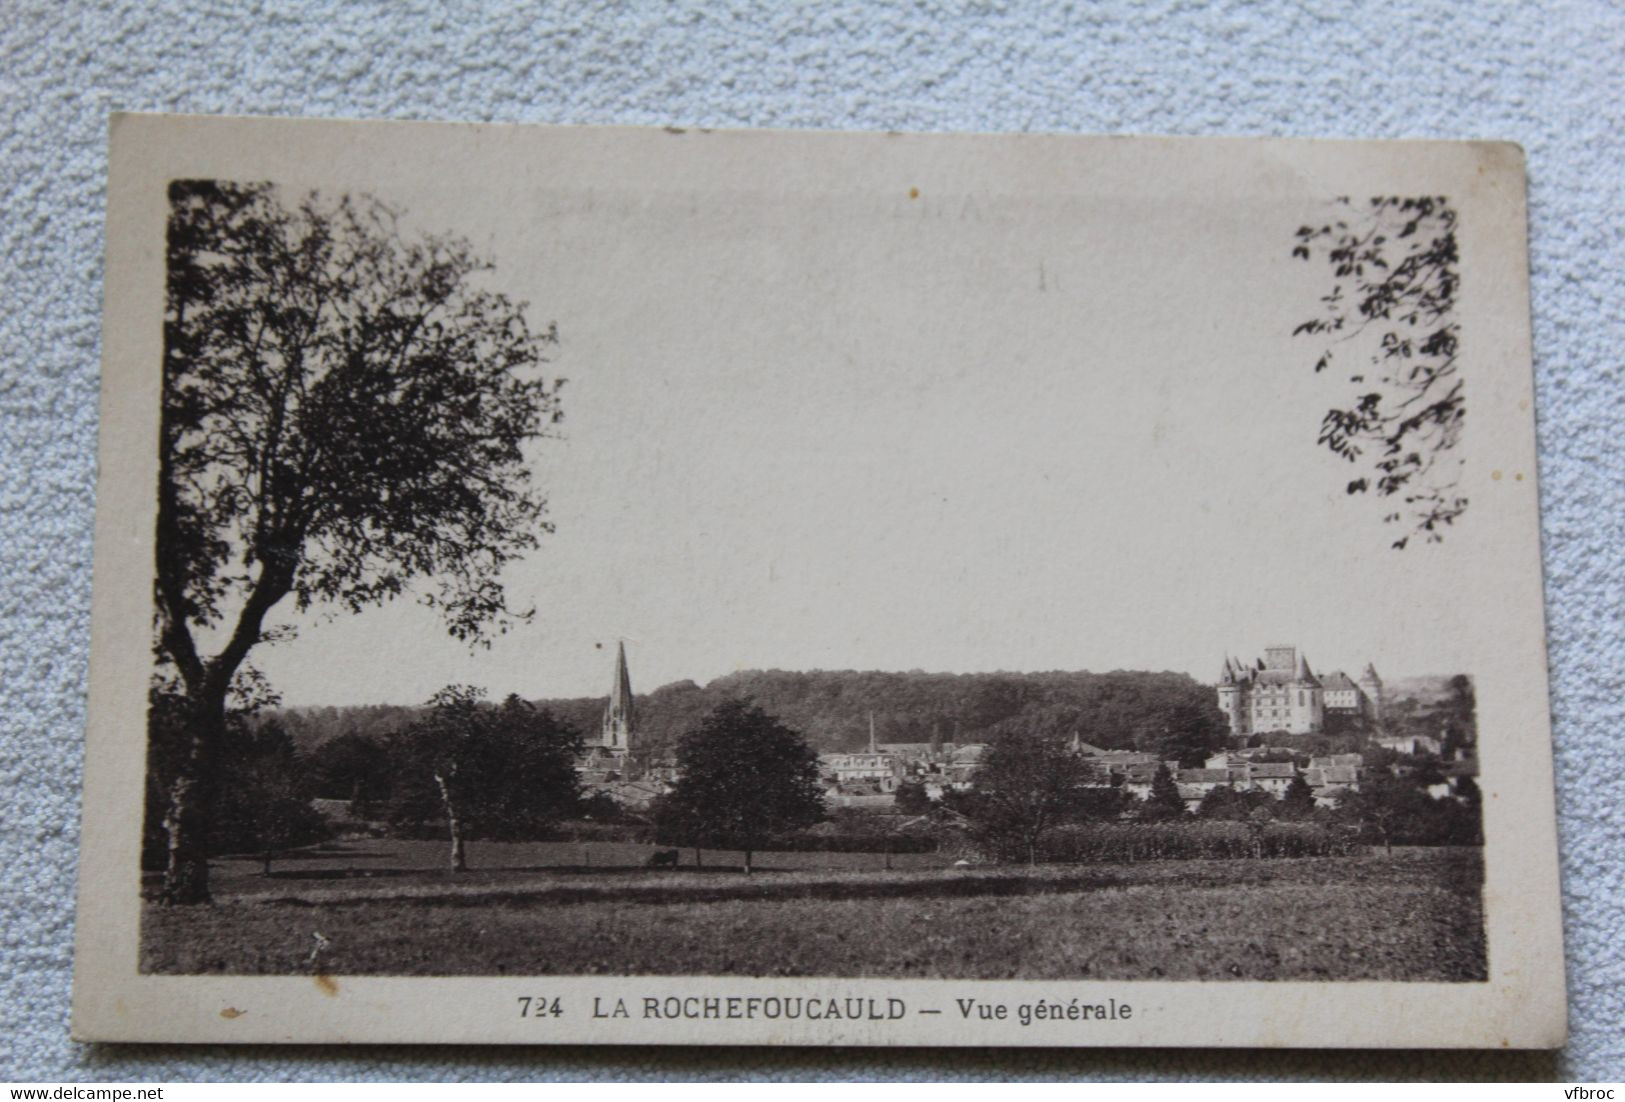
x=390 y=908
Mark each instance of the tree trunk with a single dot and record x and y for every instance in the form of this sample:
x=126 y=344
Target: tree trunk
x=459 y=859
x=747 y=862
x=699 y=864
x=186 y=824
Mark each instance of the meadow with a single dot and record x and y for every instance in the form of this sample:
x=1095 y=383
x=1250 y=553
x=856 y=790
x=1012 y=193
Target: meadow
x=386 y=907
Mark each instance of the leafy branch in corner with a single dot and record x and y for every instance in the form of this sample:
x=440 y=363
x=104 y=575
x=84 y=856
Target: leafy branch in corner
x=1390 y=314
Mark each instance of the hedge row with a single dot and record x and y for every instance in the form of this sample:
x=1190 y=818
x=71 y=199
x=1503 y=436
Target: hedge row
x=1122 y=842
x=812 y=843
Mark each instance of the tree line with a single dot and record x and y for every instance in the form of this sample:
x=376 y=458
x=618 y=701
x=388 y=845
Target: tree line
x=467 y=768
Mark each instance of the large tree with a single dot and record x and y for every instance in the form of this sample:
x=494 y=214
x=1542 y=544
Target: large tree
x=743 y=777
x=345 y=415
x=1185 y=731
x=1028 y=782
x=1388 y=322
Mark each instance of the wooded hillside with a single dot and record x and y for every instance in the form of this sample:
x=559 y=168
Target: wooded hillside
x=1165 y=712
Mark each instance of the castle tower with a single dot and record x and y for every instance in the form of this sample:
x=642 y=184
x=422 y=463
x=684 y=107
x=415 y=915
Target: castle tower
x=1309 y=707
x=1231 y=700
x=1371 y=689
x=619 y=722
x=1280 y=657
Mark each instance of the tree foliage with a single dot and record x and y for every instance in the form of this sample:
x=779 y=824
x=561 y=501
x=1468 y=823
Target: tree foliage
x=1396 y=810
x=1225 y=802
x=1298 y=802
x=1116 y=710
x=1028 y=782
x=744 y=777
x=344 y=416
x=262 y=792
x=1389 y=321
x=1164 y=801
x=1460 y=710
x=503 y=772
x=352 y=767
x=912 y=799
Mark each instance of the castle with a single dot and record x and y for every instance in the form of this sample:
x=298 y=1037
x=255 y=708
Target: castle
x=1280 y=693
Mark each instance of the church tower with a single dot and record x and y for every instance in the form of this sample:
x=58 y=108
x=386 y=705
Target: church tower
x=619 y=723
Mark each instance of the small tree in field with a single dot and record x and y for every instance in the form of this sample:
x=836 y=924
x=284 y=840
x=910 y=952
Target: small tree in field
x=911 y=798
x=354 y=768
x=675 y=822
x=1299 y=800
x=1029 y=782
x=1164 y=802
x=264 y=806
x=743 y=776
x=504 y=772
x=1387 y=808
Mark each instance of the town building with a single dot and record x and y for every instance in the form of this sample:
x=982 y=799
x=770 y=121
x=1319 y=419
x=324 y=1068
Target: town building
x=1412 y=744
x=1332 y=783
x=875 y=770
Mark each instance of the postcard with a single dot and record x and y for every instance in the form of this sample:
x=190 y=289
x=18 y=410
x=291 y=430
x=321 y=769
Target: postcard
x=663 y=586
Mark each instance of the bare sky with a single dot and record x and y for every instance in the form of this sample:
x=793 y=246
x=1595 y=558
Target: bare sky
x=1018 y=421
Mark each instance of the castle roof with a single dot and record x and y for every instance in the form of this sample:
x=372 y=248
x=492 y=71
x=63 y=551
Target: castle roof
x=1337 y=681
x=1370 y=673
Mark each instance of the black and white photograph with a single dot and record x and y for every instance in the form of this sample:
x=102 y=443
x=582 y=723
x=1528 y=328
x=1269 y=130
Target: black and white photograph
x=877 y=589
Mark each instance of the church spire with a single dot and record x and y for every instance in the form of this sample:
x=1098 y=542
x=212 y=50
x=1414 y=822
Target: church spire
x=618 y=719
